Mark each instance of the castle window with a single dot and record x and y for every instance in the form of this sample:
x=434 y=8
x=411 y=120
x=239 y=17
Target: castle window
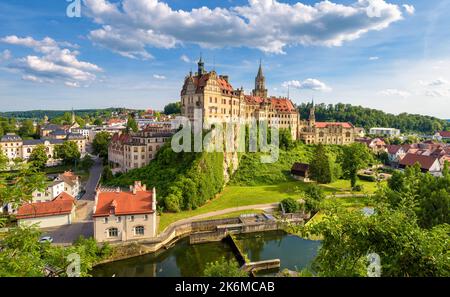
x=113 y=232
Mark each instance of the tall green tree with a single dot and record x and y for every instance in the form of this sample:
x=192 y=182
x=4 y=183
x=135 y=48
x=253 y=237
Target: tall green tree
x=132 y=125
x=355 y=157
x=172 y=108
x=86 y=163
x=404 y=249
x=38 y=156
x=320 y=167
x=100 y=144
x=27 y=129
x=68 y=152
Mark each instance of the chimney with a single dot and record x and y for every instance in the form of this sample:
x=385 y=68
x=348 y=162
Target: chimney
x=134 y=190
x=118 y=190
x=144 y=188
x=154 y=200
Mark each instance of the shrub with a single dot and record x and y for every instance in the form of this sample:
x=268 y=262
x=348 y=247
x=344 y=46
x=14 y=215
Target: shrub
x=358 y=188
x=370 y=178
x=290 y=205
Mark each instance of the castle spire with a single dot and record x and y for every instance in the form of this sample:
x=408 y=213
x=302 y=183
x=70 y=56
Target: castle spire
x=201 y=66
x=260 y=83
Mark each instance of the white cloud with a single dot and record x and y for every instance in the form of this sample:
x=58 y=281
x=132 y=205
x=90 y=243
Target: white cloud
x=395 y=93
x=72 y=84
x=54 y=63
x=409 y=9
x=308 y=84
x=128 y=27
x=374 y=58
x=437 y=93
x=5 y=55
x=157 y=76
x=185 y=59
x=434 y=83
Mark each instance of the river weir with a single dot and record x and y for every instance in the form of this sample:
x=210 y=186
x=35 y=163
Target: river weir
x=190 y=260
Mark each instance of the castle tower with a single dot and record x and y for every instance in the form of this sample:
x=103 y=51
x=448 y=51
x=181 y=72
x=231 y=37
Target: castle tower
x=260 y=84
x=73 y=117
x=312 y=115
x=201 y=66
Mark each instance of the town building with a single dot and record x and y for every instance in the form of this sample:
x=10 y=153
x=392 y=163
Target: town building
x=427 y=163
x=14 y=147
x=376 y=145
x=442 y=136
x=219 y=101
x=125 y=215
x=137 y=149
x=395 y=153
x=57 y=212
x=313 y=132
x=389 y=132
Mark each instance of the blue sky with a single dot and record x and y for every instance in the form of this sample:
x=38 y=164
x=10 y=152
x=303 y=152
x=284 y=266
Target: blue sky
x=386 y=54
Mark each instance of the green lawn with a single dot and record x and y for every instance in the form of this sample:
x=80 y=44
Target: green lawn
x=235 y=214
x=236 y=196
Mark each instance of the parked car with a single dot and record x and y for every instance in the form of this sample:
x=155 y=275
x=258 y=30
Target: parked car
x=45 y=239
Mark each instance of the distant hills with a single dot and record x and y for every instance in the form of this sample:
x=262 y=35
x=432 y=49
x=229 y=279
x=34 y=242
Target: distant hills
x=39 y=114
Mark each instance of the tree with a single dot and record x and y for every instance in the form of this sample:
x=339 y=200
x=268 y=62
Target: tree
x=286 y=142
x=314 y=195
x=27 y=129
x=98 y=122
x=68 y=152
x=404 y=249
x=320 y=167
x=172 y=108
x=100 y=144
x=131 y=124
x=355 y=157
x=290 y=205
x=107 y=174
x=22 y=255
x=224 y=268
x=86 y=163
x=18 y=184
x=38 y=157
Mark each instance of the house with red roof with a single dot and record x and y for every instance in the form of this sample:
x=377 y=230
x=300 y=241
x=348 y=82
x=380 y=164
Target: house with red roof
x=395 y=153
x=125 y=215
x=58 y=212
x=427 y=163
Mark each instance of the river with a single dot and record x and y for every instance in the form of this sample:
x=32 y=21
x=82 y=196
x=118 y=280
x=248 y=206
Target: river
x=188 y=260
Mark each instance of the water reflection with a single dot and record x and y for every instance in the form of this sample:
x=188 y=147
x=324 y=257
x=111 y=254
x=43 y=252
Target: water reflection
x=190 y=260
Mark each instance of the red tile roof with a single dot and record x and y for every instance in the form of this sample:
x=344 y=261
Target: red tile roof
x=124 y=203
x=282 y=104
x=393 y=149
x=425 y=161
x=122 y=137
x=326 y=124
x=61 y=205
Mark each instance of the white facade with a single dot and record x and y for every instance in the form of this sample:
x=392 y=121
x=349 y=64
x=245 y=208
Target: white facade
x=50 y=193
x=50 y=221
x=385 y=131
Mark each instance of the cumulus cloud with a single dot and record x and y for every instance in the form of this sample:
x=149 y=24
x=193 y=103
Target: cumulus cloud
x=129 y=27
x=157 y=76
x=53 y=63
x=308 y=84
x=374 y=58
x=395 y=93
x=409 y=9
x=434 y=83
x=185 y=59
x=5 y=55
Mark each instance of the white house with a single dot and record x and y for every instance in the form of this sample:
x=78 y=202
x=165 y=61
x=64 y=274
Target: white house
x=58 y=212
x=385 y=132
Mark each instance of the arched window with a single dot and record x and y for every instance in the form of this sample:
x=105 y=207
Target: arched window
x=348 y=134
x=139 y=230
x=113 y=232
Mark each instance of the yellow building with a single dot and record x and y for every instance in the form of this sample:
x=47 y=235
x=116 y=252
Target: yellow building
x=219 y=101
x=312 y=132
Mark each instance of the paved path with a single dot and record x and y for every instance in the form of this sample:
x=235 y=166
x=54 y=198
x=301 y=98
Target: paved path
x=266 y=207
x=94 y=177
x=67 y=234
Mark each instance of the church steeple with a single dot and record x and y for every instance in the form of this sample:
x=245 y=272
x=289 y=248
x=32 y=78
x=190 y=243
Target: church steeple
x=260 y=83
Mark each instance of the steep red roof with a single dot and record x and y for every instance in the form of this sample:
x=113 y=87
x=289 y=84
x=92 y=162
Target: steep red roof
x=253 y=99
x=411 y=159
x=393 y=149
x=122 y=137
x=282 y=104
x=326 y=124
x=61 y=205
x=124 y=203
